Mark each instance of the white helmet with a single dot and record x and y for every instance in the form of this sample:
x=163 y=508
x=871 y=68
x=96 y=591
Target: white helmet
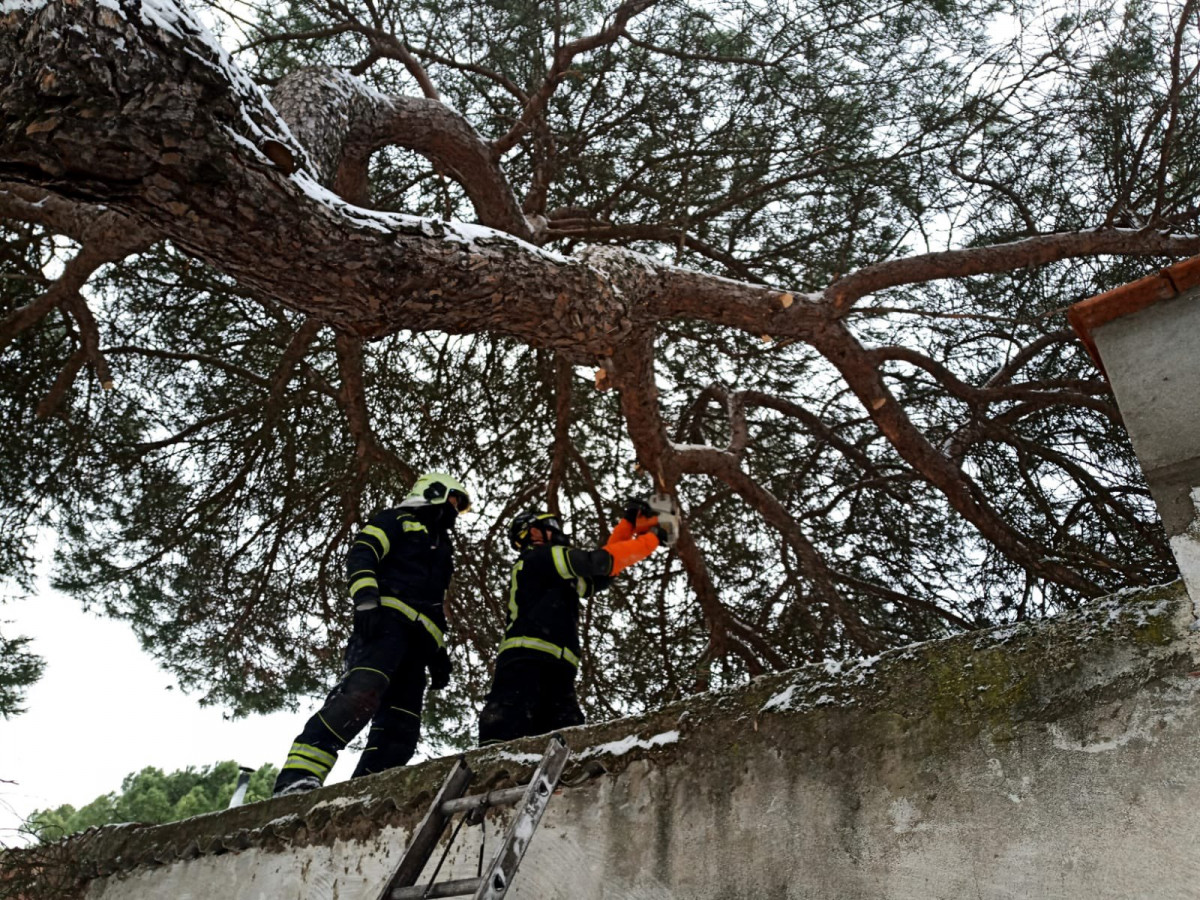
x=437 y=487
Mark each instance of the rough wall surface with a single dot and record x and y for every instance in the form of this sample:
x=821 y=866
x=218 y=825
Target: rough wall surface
x=1056 y=760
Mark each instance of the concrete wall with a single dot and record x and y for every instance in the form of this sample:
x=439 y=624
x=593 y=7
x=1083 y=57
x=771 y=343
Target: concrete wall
x=1060 y=760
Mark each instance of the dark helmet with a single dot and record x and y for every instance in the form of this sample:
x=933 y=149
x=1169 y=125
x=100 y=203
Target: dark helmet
x=518 y=531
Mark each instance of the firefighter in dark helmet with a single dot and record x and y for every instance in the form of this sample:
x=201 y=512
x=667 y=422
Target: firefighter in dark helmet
x=533 y=691
x=399 y=568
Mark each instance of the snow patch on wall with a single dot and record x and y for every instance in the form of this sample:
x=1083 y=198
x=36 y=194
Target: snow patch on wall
x=337 y=802
x=817 y=676
x=27 y=6
x=1186 y=548
x=626 y=744
x=524 y=759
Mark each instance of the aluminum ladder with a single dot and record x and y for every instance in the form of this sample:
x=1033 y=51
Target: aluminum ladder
x=532 y=798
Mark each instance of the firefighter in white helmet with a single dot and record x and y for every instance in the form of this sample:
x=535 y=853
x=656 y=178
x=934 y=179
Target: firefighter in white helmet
x=399 y=568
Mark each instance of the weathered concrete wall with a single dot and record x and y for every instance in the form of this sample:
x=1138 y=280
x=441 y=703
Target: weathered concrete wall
x=1060 y=760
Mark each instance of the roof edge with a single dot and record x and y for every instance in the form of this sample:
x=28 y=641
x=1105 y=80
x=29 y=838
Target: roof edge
x=1165 y=284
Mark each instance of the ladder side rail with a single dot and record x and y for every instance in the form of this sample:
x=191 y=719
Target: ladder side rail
x=427 y=834
x=499 y=874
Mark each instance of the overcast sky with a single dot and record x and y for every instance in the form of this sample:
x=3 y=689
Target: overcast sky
x=104 y=709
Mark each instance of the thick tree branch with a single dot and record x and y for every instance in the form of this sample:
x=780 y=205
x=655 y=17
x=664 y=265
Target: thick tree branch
x=341 y=123
x=353 y=399
x=1034 y=251
x=84 y=223
x=89 y=338
x=174 y=143
x=632 y=372
x=58 y=391
x=65 y=289
x=293 y=354
x=724 y=467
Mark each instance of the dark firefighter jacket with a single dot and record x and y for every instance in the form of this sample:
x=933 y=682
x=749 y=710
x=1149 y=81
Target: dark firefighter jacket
x=546 y=586
x=403 y=559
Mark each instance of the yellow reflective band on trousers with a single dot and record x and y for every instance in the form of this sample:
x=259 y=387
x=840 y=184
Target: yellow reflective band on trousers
x=415 y=616
x=314 y=753
x=310 y=759
x=299 y=762
x=529 y=643
x=380 y=536
x=379 y=672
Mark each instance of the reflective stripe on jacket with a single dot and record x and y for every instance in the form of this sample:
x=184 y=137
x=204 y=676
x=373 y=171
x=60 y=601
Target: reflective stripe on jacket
x=402 y=555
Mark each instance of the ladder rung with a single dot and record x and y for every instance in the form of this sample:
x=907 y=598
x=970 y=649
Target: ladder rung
x=503 y=797
x=532 y=798
x=457 y=888
x=426 y=837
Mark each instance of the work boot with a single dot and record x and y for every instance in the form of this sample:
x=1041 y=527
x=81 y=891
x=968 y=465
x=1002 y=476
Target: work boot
x=299 y=786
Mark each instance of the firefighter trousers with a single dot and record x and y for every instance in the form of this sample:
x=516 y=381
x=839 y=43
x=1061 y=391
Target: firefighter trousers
x=532 y=693
x=384 y=684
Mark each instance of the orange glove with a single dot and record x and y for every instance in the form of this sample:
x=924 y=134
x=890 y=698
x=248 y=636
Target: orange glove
x=644 y=523
x=622 y=531
x=625 y=553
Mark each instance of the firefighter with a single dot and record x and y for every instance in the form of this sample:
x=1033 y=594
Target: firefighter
x=399 y=568
x=533 y=690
